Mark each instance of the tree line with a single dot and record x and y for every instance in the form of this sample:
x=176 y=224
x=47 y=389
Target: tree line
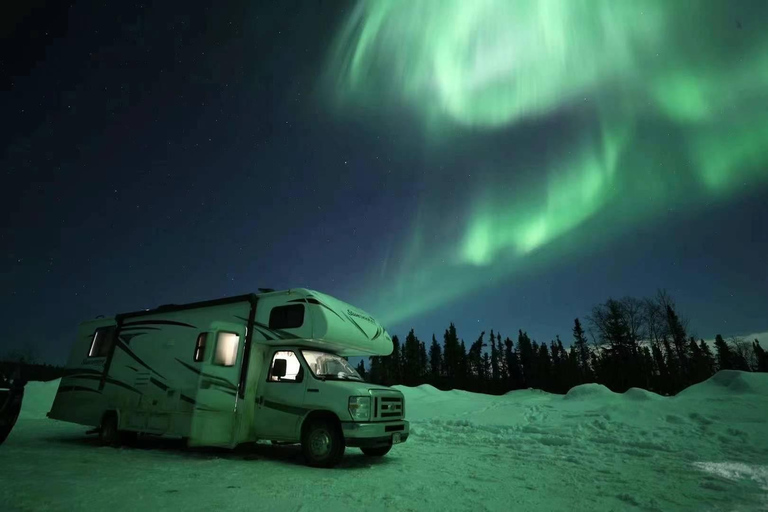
x=627 y=343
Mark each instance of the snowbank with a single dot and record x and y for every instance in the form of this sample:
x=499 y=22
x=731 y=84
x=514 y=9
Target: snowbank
x=589 y=392
x=729 y=382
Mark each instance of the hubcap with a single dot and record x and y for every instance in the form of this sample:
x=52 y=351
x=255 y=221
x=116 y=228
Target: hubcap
x=320 y=442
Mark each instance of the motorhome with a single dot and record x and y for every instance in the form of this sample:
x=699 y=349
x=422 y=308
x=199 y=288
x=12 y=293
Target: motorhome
x=264 y=366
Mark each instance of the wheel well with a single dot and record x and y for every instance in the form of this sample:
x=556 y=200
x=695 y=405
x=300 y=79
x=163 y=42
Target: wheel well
x=319 y=415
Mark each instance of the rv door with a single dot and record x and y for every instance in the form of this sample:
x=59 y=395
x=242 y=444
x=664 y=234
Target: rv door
x=219 y=358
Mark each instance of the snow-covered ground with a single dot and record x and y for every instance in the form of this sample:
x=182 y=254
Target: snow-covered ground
x=706 y=449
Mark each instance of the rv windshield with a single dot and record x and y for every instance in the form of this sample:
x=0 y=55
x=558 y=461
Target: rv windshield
x=329 y=366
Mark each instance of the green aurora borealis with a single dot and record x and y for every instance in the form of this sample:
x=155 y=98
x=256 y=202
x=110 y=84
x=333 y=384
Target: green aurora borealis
x=637 y=107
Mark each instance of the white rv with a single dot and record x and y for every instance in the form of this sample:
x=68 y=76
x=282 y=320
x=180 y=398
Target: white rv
x=266 y=366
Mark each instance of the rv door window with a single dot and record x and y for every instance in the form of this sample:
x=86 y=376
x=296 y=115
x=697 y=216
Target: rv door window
x=287 y=317
x=226 y=349
x=293 y=370
x=200 y=347
x=102 y=342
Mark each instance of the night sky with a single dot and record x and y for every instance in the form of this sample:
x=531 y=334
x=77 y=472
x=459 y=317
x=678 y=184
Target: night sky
x=501 y=165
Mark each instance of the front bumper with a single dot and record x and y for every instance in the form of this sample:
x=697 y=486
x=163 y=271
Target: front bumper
x=374 y=434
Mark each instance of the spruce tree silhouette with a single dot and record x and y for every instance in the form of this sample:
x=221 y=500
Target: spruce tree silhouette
x=361 y=369
x=435 y=361
x=525 y=354
x=582 y=348
x=708 y=360
x=544 y=368
x=724 y=354
x=451 y=356
x=423 y=362
x=410 y=358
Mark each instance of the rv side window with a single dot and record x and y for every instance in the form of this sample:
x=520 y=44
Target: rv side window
x=286 y=317
x=101 y=342
x=293 y=370
x=202 y=338
x=226 y=349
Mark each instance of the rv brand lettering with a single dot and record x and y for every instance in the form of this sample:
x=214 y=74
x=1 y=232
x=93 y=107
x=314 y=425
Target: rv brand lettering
x=358 y=315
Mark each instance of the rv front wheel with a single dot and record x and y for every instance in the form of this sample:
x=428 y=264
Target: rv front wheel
x=108 y=434
x=322 y=443
x=377 y=452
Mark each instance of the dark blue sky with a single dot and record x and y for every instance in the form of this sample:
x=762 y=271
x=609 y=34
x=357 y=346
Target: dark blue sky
x=185 y=151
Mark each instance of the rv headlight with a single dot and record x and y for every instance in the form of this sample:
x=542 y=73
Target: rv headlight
x=360 y=408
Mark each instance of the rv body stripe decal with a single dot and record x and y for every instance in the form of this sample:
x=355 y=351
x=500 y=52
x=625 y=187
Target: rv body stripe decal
x=277 y=333
x=259 y=327
x=273 y=333
x=290 y=409
x=356 y=325
x=109 y=380
x=84 y=377
x=138 y=327
x=264 y=332
x=77 y=371
x=127 y=337
x=221 y=381
x=187 y=399
x=158 y=383
x=123 y=385
x=159 y=322
x=219 y=387
x=67 y=389
x=318 y=303
x=188 y=367
x=136 y=358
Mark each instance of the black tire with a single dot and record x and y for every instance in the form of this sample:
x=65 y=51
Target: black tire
x=379 y=451
x=322 y=444
x=108 y=433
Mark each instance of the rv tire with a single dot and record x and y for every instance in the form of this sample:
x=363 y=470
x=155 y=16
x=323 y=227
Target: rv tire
x=379 y=451
x=322 y=443
x=108 y=433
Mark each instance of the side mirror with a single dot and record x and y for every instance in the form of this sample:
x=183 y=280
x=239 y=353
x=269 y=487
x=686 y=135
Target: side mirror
x=278 y=368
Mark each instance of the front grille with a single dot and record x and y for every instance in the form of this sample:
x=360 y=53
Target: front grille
x=388 y=406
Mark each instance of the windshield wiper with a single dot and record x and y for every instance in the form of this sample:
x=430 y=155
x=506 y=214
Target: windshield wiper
x=339 y=377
